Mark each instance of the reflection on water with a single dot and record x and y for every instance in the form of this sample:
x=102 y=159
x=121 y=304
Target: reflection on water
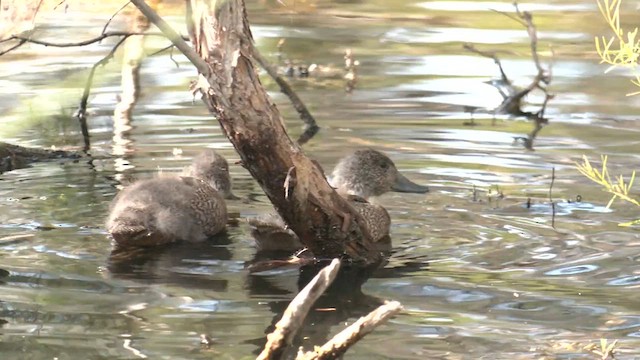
x=478 y=272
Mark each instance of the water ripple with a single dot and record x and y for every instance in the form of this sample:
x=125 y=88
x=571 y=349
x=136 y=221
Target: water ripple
x=625 y=281
x=572 y=270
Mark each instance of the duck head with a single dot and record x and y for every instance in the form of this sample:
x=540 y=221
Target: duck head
x=367 y=173
x=212 y=168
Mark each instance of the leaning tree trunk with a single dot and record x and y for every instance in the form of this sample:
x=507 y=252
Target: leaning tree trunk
x=296 y=185
x=232 y=91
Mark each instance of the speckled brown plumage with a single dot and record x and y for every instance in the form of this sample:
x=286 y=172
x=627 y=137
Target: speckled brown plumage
x=375 y=217
x=357 y=177
x=171 y=208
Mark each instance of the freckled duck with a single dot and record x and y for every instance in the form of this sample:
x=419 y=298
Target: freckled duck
x=357 y=177
x=168 y=208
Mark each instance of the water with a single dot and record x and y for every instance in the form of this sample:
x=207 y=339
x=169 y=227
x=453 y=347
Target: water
x=479 y=275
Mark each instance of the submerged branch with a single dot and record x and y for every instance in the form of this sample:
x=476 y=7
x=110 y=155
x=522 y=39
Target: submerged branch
x=297 y=311
x=491 y=55
x=512 y=97
x=340 y=343
x=310 y=127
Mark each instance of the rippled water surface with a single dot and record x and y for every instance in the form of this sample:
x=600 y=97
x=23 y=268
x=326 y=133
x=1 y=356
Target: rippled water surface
x=480 y=275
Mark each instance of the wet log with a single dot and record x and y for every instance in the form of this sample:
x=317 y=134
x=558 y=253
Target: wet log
x=231 y=89
x=297 y=311
x=14 y=157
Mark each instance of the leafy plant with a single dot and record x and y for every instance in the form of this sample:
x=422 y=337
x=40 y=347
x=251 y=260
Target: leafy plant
x=617 y=187
x=627 y=52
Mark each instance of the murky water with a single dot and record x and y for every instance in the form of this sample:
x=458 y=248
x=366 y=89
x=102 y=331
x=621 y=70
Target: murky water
x=480 y=276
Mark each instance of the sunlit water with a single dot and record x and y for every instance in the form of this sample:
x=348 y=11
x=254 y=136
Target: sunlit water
x=479 y=275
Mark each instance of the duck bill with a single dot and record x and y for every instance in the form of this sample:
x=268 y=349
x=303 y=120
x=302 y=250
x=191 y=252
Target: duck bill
x=403 y=184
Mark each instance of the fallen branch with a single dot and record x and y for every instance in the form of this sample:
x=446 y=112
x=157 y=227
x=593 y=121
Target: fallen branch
x=296 y=312
x=15 y=157
x=340 y=343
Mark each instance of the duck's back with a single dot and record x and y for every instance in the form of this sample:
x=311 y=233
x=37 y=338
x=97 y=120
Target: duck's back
x=166 y=209
x=375 y=217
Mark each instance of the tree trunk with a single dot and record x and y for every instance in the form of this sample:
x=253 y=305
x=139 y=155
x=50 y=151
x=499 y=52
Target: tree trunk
x=296 y=185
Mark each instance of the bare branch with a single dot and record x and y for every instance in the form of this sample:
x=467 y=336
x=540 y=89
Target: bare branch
x=175 y=38
x=20 y=43
x=512 y=103
x=491 y=55
x=310 y=127
x=340 y=343
x=82 y=109
x=514 y=18
x=104 y=29
x=296 y=312
x=79 y=43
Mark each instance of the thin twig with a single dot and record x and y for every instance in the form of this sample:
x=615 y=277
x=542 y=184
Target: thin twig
x=553 y=179
x=171 y=57
x=104 y=29
x=491 y=55
x=82 y=109
x=79 y=43
x=514 y=18
x=60 y=3
x=170 y=48
x=310 y=127
x=176 y=39
x=20 y=43
x=340 y=343
x=161 y=50
x=553 y=204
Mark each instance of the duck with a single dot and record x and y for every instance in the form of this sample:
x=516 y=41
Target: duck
x=168 y=208
x=357 y=177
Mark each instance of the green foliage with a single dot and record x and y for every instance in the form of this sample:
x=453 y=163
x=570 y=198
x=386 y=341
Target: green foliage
x=627 y=52
x=616 y=187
